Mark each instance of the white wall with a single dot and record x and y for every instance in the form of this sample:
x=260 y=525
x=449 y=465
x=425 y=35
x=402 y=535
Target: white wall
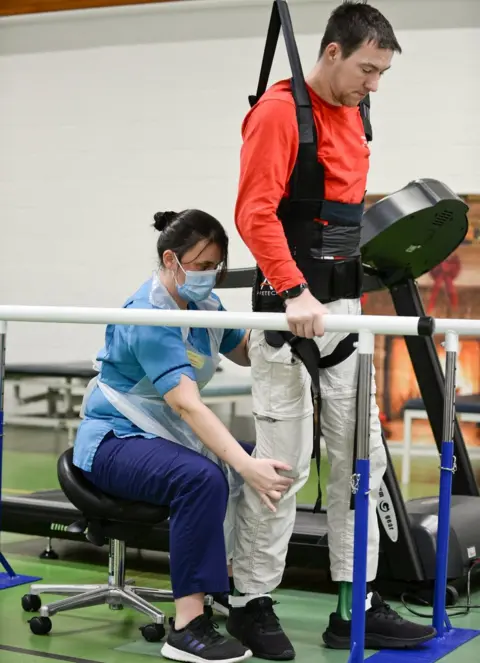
x=110 y=115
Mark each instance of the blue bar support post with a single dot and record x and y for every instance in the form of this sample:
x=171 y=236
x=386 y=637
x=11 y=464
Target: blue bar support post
x=447 y=638
x=8 y=578
x=361 y=490
x=3 y=335
x=447 y=467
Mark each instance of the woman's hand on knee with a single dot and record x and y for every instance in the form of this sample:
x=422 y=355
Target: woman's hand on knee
x=274 y=495
x=262 y=475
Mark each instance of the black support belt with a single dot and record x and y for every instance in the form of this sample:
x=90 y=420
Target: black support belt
x=343 y=214
x=333 y=212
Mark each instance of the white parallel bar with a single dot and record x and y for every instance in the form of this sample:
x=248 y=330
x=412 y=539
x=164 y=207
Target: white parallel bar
x=459 y=326
x=377 y=324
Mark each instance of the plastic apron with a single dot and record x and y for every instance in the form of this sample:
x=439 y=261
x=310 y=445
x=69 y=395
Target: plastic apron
x=144 y=407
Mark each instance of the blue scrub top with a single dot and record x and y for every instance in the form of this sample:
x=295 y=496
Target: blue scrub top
x=132 y=353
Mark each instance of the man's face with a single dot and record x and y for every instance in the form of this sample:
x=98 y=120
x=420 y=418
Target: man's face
x=358 y=75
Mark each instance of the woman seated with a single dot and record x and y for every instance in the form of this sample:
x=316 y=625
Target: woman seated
x=146 y=434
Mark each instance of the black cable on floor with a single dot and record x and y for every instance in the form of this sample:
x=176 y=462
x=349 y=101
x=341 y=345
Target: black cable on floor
x=465 y=609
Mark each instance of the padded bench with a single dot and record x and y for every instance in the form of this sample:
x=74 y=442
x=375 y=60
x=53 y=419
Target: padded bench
x=61 y=387
x=467 y=409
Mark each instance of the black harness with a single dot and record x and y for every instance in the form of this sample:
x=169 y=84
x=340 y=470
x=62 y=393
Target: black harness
x=328 y=279
x=307 y=351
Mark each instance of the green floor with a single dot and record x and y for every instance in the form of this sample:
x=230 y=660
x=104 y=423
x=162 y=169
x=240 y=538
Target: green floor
x=98 y=635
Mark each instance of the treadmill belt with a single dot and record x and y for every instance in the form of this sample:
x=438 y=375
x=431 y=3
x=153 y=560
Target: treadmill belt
x=308 y=524
x=46 y=504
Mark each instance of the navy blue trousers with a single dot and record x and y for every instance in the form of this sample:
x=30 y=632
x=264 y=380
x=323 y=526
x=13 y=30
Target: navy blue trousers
x=193 y=487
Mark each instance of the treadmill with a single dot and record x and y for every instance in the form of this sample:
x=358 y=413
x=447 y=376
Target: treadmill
x=404 y=236
x=407 y=529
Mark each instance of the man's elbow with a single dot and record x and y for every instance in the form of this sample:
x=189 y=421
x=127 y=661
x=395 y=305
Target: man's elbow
x=252 y=220
x=241 y=219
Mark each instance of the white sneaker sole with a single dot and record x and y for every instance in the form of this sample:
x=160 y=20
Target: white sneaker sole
x=186 y=657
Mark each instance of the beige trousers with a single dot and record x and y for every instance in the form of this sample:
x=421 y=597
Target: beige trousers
x=282 y=408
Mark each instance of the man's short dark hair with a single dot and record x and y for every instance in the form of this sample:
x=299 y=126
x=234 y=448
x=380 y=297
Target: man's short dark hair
x=352 y=24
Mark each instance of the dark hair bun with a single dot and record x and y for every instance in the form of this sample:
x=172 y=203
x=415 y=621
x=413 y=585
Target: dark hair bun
x=163 y=219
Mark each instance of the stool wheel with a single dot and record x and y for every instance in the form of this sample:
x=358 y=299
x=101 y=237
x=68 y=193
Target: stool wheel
x=31 y=603
x=40 y=625
x=153 y=632
x=48 y=554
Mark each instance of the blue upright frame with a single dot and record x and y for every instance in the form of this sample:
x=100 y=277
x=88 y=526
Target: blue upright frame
x=8 y=578
x=361 y=489
x=447 y=638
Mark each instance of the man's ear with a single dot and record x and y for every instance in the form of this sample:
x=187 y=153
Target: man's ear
x=333 y=52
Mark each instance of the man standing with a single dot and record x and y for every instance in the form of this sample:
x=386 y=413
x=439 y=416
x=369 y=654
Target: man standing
x=308 y=257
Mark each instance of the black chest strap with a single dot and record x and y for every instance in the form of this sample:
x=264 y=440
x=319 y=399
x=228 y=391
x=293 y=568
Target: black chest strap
x=307 y=351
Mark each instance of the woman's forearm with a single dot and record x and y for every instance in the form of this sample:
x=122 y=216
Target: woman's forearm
x=239 y=355
x=215 y=435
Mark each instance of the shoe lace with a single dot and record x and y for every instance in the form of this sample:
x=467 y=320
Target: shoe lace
x=265 y=616
x=387 y=611
x=208 y=630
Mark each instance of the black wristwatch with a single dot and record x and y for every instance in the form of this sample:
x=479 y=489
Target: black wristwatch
x=291 y=293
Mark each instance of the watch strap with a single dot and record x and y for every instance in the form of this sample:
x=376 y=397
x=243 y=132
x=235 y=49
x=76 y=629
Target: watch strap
x=291 y=293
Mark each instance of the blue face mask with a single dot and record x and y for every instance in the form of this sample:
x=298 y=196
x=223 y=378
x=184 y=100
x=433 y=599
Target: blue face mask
x=198 y=285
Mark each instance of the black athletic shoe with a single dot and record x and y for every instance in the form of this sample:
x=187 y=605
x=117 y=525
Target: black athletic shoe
x=384 y=629
x=256 y=625
x=221 y=604
x=199 y=642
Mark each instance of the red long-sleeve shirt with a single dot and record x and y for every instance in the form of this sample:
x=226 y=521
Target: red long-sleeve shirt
x=268 y=156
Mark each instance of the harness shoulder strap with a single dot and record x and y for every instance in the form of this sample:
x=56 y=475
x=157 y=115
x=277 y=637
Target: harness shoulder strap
x=280 y=18
x=268 y=55
x=307 y=183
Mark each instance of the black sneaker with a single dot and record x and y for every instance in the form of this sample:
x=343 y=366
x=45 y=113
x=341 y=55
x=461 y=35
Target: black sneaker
x=256 y=625
x=384 y=629
x=221 y=604
x=199 y=642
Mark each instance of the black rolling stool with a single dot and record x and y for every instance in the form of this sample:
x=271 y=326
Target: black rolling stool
x=104 y=519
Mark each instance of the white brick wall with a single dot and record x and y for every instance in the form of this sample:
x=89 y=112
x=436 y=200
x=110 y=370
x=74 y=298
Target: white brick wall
x=109 y=116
